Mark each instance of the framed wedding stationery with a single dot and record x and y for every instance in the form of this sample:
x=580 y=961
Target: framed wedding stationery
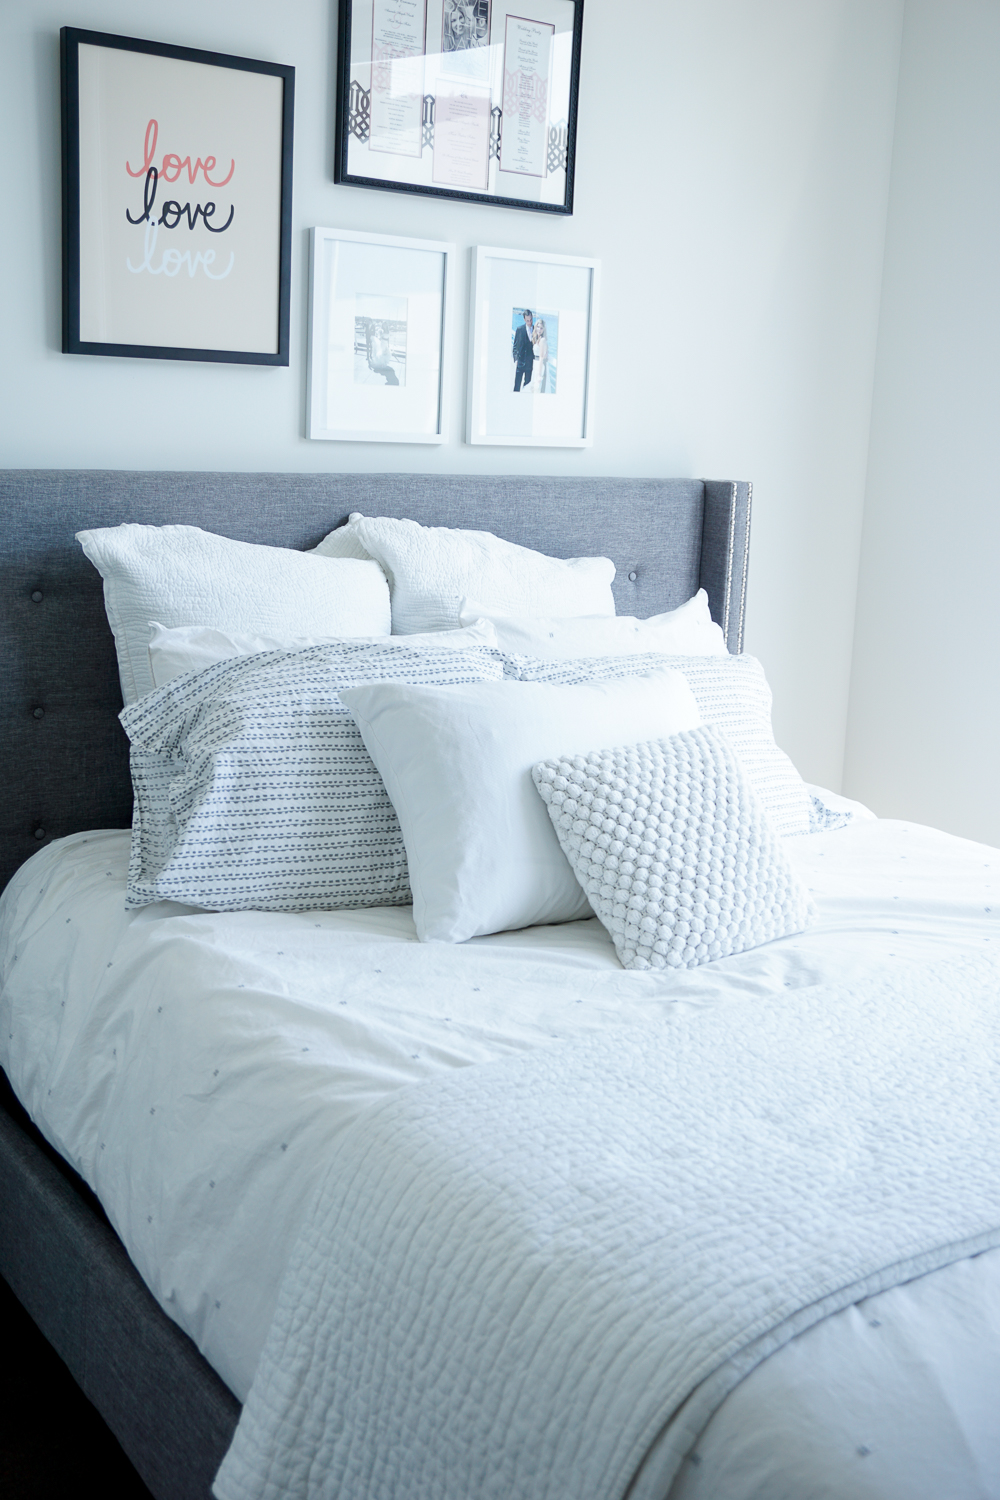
x=473 y=99
x=532 y=348
x=177 y=201
x=378 y=325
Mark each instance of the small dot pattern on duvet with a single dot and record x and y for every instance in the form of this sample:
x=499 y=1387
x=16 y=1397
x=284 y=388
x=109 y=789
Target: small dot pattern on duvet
x=674 y=849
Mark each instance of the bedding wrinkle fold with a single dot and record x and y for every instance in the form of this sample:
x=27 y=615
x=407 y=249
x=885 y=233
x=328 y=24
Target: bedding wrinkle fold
x=555 y=1333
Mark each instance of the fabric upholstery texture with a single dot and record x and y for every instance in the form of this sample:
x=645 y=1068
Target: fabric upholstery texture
x=732 y=694
x=431 y=569
x=674 y=849
x=253 y=787
x=67 y=769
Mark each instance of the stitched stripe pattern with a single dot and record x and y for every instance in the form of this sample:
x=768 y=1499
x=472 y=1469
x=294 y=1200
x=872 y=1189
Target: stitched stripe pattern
x=253 y=789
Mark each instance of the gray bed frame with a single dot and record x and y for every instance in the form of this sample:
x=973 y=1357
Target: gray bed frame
x=65 y=769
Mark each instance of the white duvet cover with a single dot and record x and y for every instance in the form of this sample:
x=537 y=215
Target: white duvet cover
x=196 y=1067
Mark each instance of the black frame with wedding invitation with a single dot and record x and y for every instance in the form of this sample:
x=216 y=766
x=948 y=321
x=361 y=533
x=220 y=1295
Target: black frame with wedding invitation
x=469 y=99
x=169 y=253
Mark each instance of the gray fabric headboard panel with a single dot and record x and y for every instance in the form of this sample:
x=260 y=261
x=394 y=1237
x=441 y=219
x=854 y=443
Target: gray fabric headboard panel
x=63 y=754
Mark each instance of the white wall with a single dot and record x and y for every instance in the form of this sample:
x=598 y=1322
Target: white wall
x=733 y=166
x=925 y=702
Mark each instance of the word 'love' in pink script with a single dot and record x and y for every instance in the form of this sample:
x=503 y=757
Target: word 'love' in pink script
x=172 y=165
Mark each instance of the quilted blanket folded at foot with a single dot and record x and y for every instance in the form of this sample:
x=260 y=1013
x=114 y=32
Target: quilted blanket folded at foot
x=538 y=1277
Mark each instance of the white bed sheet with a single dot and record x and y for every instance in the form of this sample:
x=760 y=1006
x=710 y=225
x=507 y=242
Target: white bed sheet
x=194 y=1067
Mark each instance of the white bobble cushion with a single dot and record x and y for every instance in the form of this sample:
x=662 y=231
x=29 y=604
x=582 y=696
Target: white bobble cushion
x=433 y=569
x=674 y=849
x=181 y=575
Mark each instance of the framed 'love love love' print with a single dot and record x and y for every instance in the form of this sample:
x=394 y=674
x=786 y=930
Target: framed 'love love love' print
x=177 y=201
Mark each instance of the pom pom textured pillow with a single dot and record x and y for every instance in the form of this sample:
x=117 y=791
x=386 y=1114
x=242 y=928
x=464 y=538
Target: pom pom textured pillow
x=253 y=788
x=674 y=850
x=432 y=569
x=456 y=762
x=181 y=575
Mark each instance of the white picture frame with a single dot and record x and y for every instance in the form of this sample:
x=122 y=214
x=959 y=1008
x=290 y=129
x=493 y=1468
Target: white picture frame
x=549 y=403
x=379 y=314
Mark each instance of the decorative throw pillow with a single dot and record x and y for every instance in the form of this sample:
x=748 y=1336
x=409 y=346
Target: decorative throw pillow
x=686 y=631
x=732 y=694
x=431 y=569
x=182 y=575
x=191 y=648
x=457 y=761
x=253 y=788
x=674 y=849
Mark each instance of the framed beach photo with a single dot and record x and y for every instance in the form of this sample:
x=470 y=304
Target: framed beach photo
x=472 y=99
x=378 y=324
x=177 y=201
x=532 y=341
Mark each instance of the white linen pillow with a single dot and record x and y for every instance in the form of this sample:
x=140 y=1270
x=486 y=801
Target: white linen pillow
x=456 y=762
x=253 y=789
x=732 y=695
x=674 y=849
x=431 y=569
x=182 y=575
x=686 y=631
x=190 y=648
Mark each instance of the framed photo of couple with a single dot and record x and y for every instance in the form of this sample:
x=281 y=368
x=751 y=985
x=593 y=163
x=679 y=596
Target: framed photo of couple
x=473 y=99
x=532 y=348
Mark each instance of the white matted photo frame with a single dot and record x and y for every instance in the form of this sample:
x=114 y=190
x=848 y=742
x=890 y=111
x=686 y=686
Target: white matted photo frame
x=177 y=201
x=532 y=348
x=379 y=317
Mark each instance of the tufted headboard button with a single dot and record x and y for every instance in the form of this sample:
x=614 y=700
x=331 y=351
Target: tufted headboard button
x=632 y=576
x=39 y=833
x=36 y=596
x=38 y=713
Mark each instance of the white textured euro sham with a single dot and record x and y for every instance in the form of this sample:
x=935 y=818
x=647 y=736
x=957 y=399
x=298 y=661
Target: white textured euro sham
x=688 y=630
x=674 y=849
x=432 y=569
x=253 y=789
x=191 y=648
x=181 y=575
x=732 y=694
x=456 y=762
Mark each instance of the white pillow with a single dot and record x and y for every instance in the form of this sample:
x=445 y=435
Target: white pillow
x=732 y=695
x=686 y=631
x=674 y=849
x=456 y=761
x=189 y=648
x=432 y=569
x=182 y=575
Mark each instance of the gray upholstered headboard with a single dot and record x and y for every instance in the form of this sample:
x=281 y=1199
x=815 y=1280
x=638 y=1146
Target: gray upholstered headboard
x=64 y=756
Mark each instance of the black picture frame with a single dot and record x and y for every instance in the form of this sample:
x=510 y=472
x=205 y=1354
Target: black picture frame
x=71 y=39
x=350 y=120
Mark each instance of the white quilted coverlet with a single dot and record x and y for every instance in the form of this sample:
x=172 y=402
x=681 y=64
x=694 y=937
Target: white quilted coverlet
x=516 y=1275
